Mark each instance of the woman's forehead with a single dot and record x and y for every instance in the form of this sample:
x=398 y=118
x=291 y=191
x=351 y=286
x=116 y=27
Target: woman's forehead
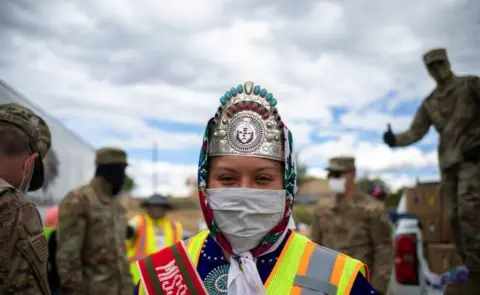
x=242 y=162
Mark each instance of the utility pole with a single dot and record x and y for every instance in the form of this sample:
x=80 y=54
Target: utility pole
x=154 y=161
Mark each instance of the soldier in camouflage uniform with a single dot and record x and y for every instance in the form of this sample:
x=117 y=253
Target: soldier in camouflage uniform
x=91 y=233
x=453 y=108
x=354 y=223
x=24 y=141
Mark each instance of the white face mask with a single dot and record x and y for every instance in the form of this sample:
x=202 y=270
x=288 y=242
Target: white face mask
x=337 y=185
x=245 y=215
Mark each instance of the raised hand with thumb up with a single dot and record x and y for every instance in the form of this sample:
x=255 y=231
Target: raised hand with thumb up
x=389 y=137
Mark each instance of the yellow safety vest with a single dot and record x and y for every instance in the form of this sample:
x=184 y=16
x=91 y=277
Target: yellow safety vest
x=144 y=243
x=301 y=264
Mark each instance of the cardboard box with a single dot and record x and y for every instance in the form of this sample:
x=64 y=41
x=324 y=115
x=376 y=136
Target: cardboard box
x=424 y=200
x=431 y=226
x=442 y=257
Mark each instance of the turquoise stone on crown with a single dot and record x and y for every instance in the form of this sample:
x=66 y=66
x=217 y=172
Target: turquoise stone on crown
x=248 y=88
x=263 y=93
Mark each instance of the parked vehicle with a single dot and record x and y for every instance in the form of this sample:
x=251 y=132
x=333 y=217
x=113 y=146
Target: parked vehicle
x=411 y=274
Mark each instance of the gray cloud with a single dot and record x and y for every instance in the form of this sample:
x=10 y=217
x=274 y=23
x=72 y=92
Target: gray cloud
x=115 y=50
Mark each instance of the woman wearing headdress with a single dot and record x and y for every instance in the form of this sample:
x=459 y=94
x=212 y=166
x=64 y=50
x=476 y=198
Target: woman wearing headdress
x=247 y=184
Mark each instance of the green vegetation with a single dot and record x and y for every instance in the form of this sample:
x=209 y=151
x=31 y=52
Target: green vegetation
x=393 y=199
x=303 y=214
x=129 y=185
x=367 y=185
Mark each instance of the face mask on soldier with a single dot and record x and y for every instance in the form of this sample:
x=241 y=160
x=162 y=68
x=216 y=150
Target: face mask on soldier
x=337 y=185
x=26 y=177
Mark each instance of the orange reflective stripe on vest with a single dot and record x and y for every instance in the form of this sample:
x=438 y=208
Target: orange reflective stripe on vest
x=141 y=241
x=302 y=268
x=145 y=236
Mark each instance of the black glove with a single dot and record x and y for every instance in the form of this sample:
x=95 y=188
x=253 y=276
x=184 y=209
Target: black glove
x=389 y=137
x=472 y=155
x=130 y=232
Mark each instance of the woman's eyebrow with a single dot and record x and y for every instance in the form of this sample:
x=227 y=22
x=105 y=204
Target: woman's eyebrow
x=260 y=169
x=224 y=168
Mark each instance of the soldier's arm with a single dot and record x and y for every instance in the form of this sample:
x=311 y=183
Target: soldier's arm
x=127 y=280
x=23 y=252
x=70 y=238
x=381 y=239
x=418 y=128
x=315 y=232
x=475 y=89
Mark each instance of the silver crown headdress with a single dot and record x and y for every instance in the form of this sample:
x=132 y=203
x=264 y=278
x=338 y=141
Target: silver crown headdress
x=247 y=124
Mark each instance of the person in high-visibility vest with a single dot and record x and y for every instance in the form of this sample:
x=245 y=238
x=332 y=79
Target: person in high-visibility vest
x=150 y=232
x=50 y=231
x=247 y=183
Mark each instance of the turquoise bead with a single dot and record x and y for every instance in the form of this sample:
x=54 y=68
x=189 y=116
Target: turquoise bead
x=256 y=90
x=240 y=88
x=233 y=92
x=228 y=95
x=269 y=97
x=273 y=102
x=222 y=100
x=263 y=92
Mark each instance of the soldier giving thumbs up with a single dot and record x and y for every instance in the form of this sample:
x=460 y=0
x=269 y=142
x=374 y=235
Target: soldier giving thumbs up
x=389 y=137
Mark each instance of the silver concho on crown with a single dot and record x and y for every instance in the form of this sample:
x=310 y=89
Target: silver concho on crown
x=248 y=124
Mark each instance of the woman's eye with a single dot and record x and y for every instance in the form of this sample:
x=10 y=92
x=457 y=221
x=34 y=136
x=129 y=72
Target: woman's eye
x=225 y=178
x=264 y=178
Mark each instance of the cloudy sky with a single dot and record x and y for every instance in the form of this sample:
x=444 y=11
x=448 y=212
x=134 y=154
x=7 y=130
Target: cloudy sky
x=131 y=73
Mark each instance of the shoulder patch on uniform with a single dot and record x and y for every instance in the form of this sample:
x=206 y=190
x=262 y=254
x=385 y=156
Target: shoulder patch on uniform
x=40 y=246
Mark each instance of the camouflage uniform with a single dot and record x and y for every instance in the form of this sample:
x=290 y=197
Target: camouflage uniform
x=454 y=110
x=91 y=235
x=359 y=228
x=23 y=247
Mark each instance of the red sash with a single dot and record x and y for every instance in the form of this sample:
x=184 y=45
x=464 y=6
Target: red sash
x=170 y=272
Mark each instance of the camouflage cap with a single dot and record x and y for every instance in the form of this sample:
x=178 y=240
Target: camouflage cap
x=436 y=54
x=36 y=129
x=344 y=163
x=110 y=155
